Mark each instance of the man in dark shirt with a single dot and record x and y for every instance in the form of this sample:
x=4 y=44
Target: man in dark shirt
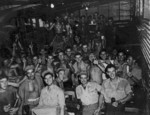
x=8 y=98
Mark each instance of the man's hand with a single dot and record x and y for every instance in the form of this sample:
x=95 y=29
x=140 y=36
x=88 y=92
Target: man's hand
x=97 y=111
x=13 y=111
x=115 y=104
x=6 y=108
x=129 y=74
x=24 y=60
x=95 y=62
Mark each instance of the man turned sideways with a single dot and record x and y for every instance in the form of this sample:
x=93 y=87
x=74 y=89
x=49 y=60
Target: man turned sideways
x=88 y=93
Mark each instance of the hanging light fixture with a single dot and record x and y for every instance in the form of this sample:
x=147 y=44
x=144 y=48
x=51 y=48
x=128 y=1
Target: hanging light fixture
x=86 y=8
x=52 y=5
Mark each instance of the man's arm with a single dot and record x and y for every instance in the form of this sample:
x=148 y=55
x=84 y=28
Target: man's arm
x=127 y=98
x=129 y=93
x=21 y=94
x=101 y=102
x=61 y=99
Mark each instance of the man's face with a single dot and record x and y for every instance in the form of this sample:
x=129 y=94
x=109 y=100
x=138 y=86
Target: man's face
x=35 y=60
x=61 y=74
x=121 y=56
x=61 y=55
x=78 y=58
x=75 y=47
x=68 y=52
x=85 y=48
x=84 y=79
x=92 y=57
x=77 y=39
x=30 y=74
x=48 y=80
x=103 y=55
x=50 y=59
x=111 y=72
x=130 y=60
x=3 y=83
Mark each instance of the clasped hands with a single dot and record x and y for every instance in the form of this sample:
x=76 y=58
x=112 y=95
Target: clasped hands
x=11 y=110
x=116 y=103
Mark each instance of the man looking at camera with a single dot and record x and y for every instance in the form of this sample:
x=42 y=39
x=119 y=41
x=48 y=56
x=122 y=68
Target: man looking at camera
x=8 y=98
x=88 y=93
x=52 y=95
x=115 y=91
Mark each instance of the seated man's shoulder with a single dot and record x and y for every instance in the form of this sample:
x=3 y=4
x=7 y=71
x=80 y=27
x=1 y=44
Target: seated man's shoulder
x=123 y=81
x=24 y=83
x=106 y=81
x=58 y=89
x=78 y=87
x=93 y=83
x=44 y=89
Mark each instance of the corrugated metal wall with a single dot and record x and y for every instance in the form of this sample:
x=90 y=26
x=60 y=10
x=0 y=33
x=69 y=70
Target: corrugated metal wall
x=145 y=45
x=145 y=48
x=120 y=10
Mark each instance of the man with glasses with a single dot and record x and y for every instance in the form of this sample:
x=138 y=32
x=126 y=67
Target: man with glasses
x=29 y=91
x=115 y=91
x=88 y=94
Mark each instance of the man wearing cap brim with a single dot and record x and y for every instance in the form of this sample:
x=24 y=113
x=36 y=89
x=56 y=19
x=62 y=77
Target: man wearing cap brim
x=88 y=93
x=29 y=90
x=52 y=95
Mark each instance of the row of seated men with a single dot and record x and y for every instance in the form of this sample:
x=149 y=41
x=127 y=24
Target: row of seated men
x=35 y=85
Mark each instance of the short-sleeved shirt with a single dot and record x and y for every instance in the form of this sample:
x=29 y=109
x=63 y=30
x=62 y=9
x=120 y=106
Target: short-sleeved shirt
x=53 y=97
x=89 y=95
x=118 y=91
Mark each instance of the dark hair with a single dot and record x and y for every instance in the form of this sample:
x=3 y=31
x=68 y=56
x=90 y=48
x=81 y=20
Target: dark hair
x=78 y=54
x=60 y=69
x=48 y=73
x=109 y=66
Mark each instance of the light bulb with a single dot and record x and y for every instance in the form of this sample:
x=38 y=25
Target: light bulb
x=52 y=5
x=86 y=8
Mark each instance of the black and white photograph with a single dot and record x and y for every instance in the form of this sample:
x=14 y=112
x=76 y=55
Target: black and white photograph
x=74 y=57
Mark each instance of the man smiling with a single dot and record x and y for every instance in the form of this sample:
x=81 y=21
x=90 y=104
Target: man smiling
x=8 y=98
x=115 y=91
x=88 y=93
x=52 y=95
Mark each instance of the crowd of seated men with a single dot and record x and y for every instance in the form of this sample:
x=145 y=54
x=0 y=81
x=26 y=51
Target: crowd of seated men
x=82 y=78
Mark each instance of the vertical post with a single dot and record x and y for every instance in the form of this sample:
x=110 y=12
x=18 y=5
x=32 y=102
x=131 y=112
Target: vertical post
x=108 y=10
x=119 y=9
